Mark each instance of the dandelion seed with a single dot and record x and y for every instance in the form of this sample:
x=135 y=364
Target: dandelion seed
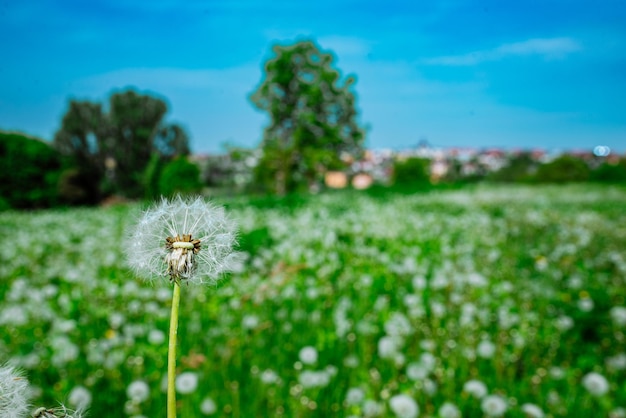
x=13 y=393
x=183 y=239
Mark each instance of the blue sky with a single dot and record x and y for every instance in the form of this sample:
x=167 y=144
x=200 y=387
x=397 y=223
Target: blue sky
x=548 y=74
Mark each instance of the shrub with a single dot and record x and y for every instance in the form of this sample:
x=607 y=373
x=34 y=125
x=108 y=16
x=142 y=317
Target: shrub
x=180 y=176
x=30 y=171
x=563 y=169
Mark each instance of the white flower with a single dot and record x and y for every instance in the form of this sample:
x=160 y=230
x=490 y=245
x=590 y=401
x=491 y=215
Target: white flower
x=138 y=391
x=596 y=384
x=449 y=410
x=476 y=388
x=13 y=393
x=532 y=410
x=186 y=383
x=80 y=398
x=494 y=405
x=404 y=406
x=208 y=406
x=308 y=355
x=182 y=239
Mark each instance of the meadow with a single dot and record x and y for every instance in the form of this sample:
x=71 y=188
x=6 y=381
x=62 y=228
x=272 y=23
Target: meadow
x=482 y=301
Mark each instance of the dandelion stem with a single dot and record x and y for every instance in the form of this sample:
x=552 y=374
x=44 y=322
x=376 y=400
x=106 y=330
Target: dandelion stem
x=171 y=354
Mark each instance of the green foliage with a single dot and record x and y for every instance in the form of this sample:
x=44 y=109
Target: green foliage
x=563 y=169
x=313 y=117
x=113 y=150
x=520 y=168
x=411 y=171
x=30 y=172
x=180 y=177
x=614 y=172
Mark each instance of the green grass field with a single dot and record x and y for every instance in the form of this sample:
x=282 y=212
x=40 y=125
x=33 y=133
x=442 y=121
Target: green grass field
x=469 y=301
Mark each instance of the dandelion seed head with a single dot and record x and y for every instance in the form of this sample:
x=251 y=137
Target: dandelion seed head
x=80 y=398
x=532 y=410
x=404 y=406
x=596 y=384
x=476 y=388
x=13 y=392
x=186 y=383
x=138 y=391
x=449 y=410
x=308 y=355
x=208 y=406
x=494 y=405
x=187 y=240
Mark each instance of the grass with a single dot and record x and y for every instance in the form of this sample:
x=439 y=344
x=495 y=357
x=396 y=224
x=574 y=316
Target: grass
x=398 y=292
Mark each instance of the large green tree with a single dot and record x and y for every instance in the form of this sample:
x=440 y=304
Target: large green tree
x=112 y=149
x=313 y=117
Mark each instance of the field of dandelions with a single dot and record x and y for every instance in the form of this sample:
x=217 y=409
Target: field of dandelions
x=486 y=301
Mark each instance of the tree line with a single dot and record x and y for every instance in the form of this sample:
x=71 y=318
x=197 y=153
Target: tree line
x=125 y=148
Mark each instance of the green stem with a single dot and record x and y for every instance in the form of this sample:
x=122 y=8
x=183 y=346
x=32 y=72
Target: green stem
x=171 y=354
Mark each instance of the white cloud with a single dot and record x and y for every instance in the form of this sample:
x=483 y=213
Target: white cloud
x=548 y=48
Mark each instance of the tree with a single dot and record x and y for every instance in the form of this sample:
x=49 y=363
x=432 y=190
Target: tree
x=313 y=116
x=133 y=124
x=81 y=137
x=412 y=171
x=30 y=172
x=180 y=176
x=563 y=169
x=119 y=151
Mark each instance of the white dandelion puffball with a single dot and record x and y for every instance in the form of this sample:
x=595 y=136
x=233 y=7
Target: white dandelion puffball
x=13 y=393
x=79 y=398
x=138 y=391
x=187 y=240
x=476 y=388
x=308 y=355
x=486 y=349
x=186 y=383
x=404 y=406
x=494 y=405
x=208 y=406
x=532 y=411
x=596 y=384
x=449 y=410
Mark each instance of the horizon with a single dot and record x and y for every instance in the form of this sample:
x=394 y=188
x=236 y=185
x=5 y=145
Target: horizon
x=456 y=74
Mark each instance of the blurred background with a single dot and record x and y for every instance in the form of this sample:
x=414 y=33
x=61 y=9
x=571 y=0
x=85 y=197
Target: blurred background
x=468 y=86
